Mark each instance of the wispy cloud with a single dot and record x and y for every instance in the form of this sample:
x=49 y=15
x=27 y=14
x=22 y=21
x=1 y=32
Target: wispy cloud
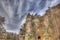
x=15 y=11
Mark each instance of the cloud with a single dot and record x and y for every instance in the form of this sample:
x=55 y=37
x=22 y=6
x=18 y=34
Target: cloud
x=15 y=11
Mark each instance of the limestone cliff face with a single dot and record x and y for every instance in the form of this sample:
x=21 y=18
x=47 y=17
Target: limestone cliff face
x=50 y=24
x=45 y=27
x=31 y=26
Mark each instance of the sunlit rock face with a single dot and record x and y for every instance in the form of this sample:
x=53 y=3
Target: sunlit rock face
x=43 y=27
x=29 y=30
x=50 y=24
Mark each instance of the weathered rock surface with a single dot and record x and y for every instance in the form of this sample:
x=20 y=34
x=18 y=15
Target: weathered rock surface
x=50 y=24
x=45 y=27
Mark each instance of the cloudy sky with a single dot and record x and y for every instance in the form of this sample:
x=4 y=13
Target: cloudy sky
x=15 y=11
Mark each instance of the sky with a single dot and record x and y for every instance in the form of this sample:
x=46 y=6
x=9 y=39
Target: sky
x=15 y=11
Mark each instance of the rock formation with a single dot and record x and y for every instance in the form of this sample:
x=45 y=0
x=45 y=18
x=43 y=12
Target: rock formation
x=43 y=27
x=50 y=24
x=31 y=26
x=36 y=27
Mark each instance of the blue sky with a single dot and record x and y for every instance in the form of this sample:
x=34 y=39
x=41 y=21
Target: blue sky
x=15 y=11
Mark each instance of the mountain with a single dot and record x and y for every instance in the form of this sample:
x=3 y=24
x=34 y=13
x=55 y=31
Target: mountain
x=36 y=27
x=43 y=27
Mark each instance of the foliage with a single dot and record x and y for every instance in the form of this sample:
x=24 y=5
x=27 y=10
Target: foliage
x=30 y=38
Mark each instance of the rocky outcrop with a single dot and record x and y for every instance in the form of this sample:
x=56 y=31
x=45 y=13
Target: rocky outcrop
x=37 y=27
x=43 y=27
x=50 y=23
x=31 y=26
